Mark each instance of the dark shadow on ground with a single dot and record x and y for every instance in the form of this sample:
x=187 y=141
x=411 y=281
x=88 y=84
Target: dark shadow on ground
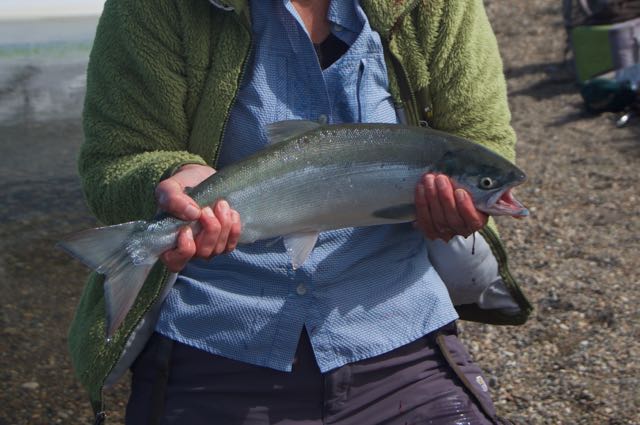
x=558 y=79
x=579 y=113
x=555 y=70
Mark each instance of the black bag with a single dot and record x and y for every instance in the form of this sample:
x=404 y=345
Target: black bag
x=599 y=12
x=601 y=95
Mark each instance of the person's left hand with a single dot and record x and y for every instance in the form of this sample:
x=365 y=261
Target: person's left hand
x=443 y=212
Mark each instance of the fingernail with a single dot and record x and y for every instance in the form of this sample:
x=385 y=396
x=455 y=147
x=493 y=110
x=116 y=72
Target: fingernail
x=191 y=212
x=188 y=232
x=224 y=207
x=460 y=195
x=429 y=180
x=207 y=211
x=441 y=182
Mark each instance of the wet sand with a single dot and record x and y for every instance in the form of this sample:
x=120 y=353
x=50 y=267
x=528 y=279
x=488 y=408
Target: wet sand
x=577 y=256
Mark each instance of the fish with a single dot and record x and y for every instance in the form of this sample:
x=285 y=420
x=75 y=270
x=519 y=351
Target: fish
x=310 y=178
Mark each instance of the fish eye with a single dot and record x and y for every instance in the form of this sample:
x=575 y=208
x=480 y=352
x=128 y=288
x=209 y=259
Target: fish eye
x=486 y=183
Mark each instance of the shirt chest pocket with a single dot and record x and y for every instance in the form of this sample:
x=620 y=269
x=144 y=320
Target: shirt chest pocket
x=371 y=97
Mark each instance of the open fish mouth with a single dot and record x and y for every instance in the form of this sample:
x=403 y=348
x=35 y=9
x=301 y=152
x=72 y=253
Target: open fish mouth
x=504 y=203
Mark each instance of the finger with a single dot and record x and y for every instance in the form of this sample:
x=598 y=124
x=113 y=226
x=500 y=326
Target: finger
x=234 y=233
x=207 y=238
x=175 y=259
x=423 y=215
x=438 y=220
x=172 y=199
x=474 y=219
x=223 y=213
x=453 y=224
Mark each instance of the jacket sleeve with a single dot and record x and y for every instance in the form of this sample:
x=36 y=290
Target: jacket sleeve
x=468 y=87
x=135 y=125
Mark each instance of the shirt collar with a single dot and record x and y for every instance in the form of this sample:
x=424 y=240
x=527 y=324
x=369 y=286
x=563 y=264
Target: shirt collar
x=382 y=14
x=346 y=18
x=344 y=14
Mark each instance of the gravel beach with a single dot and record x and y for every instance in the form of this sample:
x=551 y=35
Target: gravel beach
x=577 y=256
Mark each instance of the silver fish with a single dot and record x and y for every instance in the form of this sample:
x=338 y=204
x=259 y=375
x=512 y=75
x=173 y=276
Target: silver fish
x=311 y=178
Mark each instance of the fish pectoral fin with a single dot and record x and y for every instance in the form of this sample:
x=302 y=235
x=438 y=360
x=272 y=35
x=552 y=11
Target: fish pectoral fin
x=397 y=212
x=283 y=130
x=299 y=246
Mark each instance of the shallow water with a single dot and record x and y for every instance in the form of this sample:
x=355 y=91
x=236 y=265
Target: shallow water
x=42 y=68
x=43 y=32
x=42 y=86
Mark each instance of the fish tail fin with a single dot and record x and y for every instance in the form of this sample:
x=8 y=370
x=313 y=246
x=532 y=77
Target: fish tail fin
x=104 y=249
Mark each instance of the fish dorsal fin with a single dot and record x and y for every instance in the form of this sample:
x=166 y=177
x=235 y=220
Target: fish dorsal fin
x=283 y=130
x=299 y=246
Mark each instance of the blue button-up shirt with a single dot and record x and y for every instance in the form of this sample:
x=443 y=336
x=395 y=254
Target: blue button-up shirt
x=363 y=291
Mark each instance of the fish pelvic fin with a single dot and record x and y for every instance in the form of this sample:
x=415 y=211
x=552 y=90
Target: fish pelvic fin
x=299 y=246
x=104 y=250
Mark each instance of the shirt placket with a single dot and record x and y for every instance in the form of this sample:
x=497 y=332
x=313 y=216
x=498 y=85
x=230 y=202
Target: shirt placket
x=312 y=101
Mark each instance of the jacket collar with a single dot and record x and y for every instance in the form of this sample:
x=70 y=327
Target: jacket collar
x=382 y=14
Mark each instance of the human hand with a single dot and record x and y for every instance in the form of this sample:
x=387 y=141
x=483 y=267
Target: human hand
x=219 y=226
x=443 y=212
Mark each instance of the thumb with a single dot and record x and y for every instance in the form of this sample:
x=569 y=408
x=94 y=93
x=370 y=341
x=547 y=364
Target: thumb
x=173 y=200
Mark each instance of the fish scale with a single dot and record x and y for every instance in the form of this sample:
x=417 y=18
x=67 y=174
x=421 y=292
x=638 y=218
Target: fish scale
x=311 y=178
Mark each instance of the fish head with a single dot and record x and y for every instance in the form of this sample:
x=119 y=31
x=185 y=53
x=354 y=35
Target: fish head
x=488 y=178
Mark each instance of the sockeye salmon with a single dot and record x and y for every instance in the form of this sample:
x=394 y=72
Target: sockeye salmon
x=311 y=178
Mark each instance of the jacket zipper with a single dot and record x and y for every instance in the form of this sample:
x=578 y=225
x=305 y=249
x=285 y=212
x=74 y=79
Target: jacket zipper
x=501 y=256
x=98 y=406
x=402 y=76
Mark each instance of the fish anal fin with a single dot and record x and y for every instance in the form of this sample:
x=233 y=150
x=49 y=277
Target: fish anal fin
x=299 y=246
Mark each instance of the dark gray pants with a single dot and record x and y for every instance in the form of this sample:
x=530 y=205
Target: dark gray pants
x=429 y=381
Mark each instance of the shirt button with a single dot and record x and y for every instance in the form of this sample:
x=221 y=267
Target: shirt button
x=301 y=289
x=338 y=28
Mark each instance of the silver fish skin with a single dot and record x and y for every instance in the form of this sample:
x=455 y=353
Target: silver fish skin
x=311 y=178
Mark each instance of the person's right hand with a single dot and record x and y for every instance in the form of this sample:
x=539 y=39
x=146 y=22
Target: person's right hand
x=220 y=225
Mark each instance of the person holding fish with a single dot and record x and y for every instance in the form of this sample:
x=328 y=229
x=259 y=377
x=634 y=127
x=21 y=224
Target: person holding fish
x=306 y=267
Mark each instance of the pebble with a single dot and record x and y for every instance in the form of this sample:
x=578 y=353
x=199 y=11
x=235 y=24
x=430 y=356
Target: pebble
x=574 y=362
x=30 y=385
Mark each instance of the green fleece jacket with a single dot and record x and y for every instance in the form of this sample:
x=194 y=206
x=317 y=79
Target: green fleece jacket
x=163 y=75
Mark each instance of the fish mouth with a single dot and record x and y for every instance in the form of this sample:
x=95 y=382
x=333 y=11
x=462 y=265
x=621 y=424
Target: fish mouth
x=504 y=203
